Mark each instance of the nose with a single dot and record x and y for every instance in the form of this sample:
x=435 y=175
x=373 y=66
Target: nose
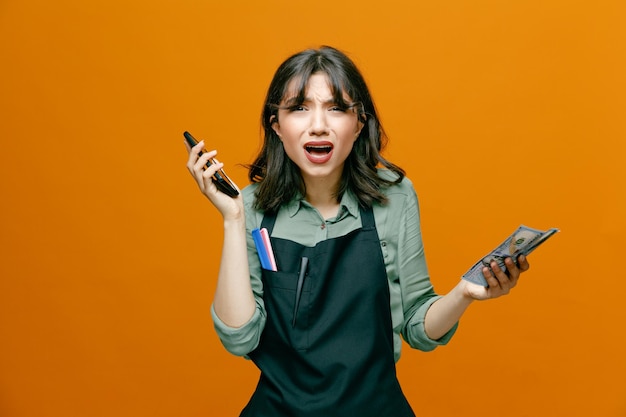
x=319 y=124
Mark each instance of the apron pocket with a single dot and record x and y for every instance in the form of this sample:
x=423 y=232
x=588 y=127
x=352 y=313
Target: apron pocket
x=280 y=301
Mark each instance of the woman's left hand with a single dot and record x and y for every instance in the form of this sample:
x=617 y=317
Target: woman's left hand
x=500 y=282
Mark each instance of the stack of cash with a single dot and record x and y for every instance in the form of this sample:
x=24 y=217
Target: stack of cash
x=523 y=241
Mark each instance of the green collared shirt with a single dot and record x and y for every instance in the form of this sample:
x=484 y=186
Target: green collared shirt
x=398 y=226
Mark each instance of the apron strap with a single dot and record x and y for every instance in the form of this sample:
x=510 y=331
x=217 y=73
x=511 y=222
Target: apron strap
x=269 y=219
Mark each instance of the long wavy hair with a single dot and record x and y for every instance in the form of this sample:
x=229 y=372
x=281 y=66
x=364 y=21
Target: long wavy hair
x=279 y=178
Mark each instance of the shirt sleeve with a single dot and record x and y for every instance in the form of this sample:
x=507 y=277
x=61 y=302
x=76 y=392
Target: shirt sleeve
x=415 y=286
x=242 y=340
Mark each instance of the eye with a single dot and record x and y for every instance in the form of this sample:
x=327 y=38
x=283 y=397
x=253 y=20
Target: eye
x=337 y=109
x=296 y=108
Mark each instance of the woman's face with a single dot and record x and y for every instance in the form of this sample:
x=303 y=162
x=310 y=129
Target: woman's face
x=317 y=134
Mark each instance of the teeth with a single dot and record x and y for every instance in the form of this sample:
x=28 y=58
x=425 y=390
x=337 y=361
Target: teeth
x=318 y=149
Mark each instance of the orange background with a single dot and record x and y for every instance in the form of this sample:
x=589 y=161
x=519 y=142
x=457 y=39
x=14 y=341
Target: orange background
x=502 y=112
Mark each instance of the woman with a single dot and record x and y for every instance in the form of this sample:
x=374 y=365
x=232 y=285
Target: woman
x=348 y=219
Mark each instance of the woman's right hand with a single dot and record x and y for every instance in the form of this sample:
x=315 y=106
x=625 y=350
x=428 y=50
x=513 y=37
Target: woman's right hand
x=229 y=207
x=234 y=301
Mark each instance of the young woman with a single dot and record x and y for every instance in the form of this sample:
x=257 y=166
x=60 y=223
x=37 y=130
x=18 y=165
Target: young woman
x=324 y=328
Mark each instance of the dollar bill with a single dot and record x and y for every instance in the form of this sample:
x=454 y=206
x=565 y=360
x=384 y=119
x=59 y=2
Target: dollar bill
x=522 y=242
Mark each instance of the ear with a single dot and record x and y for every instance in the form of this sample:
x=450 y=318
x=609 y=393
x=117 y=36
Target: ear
x=274 y=124
x=361 y=120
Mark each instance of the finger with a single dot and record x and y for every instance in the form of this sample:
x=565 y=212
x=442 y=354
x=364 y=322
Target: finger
x=193 y=155
x=207 y=177
x=523 y=264
x=201 y=172
x=198 y=147
x=212 y=169
x=202 y=161
x=501 y=276
x=513 y=271
x=491 y=279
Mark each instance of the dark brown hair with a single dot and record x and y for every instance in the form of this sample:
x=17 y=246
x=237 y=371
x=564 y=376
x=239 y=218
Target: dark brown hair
x=279 y=178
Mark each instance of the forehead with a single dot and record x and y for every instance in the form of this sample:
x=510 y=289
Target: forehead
x=319 y=83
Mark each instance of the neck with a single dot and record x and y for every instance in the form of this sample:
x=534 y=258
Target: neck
x=323 y=197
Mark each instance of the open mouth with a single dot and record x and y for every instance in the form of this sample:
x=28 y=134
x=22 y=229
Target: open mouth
x=318 y=152
x=318 y=149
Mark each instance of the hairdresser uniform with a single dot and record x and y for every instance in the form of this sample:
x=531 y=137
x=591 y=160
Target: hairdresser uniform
x=364 y=266
x=334 y=355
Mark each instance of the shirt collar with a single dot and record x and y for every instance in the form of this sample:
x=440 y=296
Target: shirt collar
x=347 y=206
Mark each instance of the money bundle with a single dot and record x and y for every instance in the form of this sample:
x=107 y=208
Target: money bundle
x=522 y=242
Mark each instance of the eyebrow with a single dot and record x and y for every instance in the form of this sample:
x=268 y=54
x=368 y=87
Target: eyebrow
x=292 y=101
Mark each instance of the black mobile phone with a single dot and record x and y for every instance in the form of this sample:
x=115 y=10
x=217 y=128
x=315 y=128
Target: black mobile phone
x=221 y=180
